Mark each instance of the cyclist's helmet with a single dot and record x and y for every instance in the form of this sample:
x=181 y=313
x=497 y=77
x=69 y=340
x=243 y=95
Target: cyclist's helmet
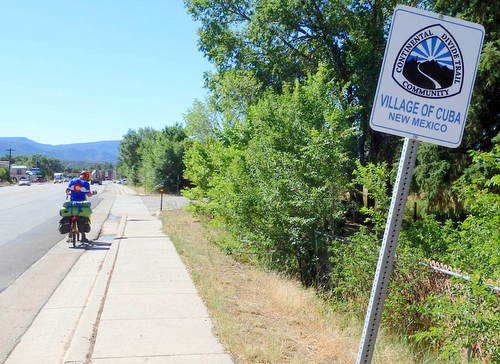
x=85 y=175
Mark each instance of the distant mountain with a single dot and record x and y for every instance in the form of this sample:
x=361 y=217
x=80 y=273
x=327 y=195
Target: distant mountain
x=105 y=151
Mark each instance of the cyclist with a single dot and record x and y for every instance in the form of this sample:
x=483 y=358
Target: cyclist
x=79 y=190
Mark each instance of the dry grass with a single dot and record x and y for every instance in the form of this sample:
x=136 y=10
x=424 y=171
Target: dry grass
x=261 y=317
x=138 y=189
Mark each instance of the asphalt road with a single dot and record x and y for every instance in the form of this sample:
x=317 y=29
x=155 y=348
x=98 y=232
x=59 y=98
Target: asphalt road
x=29 y=217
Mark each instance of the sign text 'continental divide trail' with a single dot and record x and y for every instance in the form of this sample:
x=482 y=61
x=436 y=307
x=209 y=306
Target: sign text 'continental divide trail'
x=427 y=76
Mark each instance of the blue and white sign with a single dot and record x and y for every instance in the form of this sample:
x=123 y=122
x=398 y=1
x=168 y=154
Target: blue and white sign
x=427 y=76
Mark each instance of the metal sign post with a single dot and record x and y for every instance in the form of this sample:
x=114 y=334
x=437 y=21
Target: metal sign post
x=161 y=188
x=387 y=251
x=161 y=199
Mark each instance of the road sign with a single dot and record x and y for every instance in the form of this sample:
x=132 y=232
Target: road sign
x=427 y=76
x=423 y=93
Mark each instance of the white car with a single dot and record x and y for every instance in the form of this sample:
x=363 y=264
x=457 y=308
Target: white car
x=24 y=182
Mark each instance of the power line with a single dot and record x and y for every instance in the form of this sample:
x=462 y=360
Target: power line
x=10 y=150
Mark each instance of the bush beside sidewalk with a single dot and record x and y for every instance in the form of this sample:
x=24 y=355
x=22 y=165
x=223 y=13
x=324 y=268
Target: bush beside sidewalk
x=262 y=317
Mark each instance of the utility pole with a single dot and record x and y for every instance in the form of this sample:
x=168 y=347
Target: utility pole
x=10 y=150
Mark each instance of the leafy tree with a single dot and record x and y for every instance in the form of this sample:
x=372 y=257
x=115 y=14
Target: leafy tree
x=3 y=174
x=200 y=122
x=18 y=159
x=282 y=41
x=148 y=157
x=233 y=91
x=48 y=166
x=483 y=122
x=105 y=166
x=162 y=158
x=280 y=175
x=439 y=167
x=374 y=177
x=129 y=162
x=477 y=248
x=204 y=161
x=469 y=320
x=271 y=154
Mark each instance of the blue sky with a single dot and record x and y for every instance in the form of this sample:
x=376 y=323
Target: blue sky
x=89 y=70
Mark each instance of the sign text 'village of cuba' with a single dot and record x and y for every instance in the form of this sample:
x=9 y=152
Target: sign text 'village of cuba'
x=427 y=77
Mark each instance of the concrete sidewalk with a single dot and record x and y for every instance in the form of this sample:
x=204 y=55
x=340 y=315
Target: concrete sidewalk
x=130 y=300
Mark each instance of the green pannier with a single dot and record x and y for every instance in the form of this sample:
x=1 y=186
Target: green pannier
x=75 y=208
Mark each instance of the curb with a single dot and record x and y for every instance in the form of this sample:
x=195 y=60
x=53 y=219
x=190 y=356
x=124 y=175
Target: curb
x=24 y=280
x=83 y=340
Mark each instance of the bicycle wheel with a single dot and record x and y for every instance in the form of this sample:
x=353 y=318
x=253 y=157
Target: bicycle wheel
x=72 y=233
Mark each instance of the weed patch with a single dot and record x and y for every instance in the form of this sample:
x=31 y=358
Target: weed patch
x=263 y=317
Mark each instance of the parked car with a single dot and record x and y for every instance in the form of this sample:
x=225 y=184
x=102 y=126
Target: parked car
x=24 y=182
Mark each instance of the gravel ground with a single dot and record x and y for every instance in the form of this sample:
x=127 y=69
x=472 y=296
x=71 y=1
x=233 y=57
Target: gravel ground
x=170 y=202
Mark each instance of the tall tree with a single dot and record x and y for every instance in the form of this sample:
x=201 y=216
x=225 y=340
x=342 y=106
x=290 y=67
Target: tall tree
x=483 y=122
x=130 y=161
x=162 y=159
x=285 y=40
x=48 y=165
x=439 y=167
x=200 y=121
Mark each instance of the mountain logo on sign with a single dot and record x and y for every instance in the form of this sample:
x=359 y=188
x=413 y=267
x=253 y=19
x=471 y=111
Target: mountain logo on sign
x=430 y=64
